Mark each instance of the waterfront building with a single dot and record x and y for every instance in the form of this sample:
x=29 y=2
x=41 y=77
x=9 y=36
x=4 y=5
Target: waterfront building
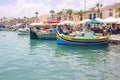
x=91 y=13
x=105 y=12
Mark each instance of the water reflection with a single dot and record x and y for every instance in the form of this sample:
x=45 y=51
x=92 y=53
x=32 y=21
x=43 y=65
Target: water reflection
x=82 y=55
x=42 y=45
x=64 y=50
x=42 y=42
x=34 y=42
x=81 y=58
x=81 y=49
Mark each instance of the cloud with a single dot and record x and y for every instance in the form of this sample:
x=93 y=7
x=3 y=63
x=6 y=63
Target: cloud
x=23 y=8
x=29 y=7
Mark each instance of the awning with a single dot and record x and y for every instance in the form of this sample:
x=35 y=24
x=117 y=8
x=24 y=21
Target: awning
x=39 y=24
x=84 y=21
x=99 y=19
x=95 y=22
x=52 y=21
x=118 y=21
x=110 y=20
x=66 y=23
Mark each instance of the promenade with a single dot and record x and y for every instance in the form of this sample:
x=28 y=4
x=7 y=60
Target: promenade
x=115 y=39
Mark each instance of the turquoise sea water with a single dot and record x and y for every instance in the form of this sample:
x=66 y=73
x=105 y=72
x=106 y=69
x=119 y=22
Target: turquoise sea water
x=25 y=59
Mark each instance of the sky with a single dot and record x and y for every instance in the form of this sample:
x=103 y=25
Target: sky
x=21 y=8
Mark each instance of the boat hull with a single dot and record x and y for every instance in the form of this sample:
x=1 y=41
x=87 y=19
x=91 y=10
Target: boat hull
x=64 y=41
x=23 y=32
x=47 y=36
x=3 y=29
x=42 y=36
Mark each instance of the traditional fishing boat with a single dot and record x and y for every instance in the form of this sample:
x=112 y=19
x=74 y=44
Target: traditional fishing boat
x=85 y=38
x=78 y=36
x=49 y=34
x=41 y=31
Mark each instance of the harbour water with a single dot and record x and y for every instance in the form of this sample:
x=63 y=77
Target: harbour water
x=25 y=59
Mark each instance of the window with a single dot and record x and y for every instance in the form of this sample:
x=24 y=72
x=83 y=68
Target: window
x=110 y=12
x=100 y=15
x=90 y=16
x=58 y=18
x=94 y=15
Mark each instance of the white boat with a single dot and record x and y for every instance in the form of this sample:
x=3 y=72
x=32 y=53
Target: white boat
x=3 y=28
x=23 y=31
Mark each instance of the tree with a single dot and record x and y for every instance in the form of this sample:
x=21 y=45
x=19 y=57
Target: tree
x=36 y=16
x=98 y=6
x=59 y=14
x=118 y=11
x=80 y=13
x=19 y=20
x=76 y=16
x=70 y=11
x=52 y=12
x=24 y=18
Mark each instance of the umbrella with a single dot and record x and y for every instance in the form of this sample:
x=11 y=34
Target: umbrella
x=52 y=21
x=18 y=24
x=110 y=20
x=99 y=19
x=118 y=21
x=34 y=24
x=95 y=22
x=66 y=23
x=84 y=21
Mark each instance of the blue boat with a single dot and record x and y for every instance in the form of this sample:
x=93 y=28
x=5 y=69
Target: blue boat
x=84 y=38
x=38 y=34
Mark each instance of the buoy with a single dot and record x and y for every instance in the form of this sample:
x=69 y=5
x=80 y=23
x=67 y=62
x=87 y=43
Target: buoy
x=3 y=35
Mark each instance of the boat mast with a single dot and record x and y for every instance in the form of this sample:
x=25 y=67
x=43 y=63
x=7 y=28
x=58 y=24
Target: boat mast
x=84 y=27
x=85 y=9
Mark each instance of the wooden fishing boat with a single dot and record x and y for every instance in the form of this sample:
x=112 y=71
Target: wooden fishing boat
x=40 y=31
x=49 y=34
x=84 y=38
x=46 y=30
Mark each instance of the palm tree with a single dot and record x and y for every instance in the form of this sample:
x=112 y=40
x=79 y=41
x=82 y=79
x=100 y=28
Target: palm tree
x=80 y=13
x=36 y=16
x=118 y=11
x=59 y=14
x=70 y=11
x=52 y=12
x=76 y=16
x=24 y=18
x=18 y=19
x=98 y=6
